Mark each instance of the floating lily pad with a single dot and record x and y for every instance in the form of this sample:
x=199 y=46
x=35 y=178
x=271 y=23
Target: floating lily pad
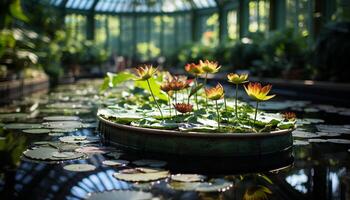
x=187 y=177
x=63 y=154
x=317 y=140
x=339 y=141
x=47 y=153
x=78 y=139
x=93 y=150
x=62 y=118
x=63 y=124
x=304 y=134
x=36 y=131
x=79 y=167
x=114 y=155
x=115 y=162
x=13 y=116
x=333 y=129
x=22 y=126
x=300 y=143
x=69 y=130
x=142 y=177
x=120 y=195
x=150 y=163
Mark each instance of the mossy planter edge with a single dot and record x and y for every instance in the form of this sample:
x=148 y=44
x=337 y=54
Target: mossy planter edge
x=194 y=143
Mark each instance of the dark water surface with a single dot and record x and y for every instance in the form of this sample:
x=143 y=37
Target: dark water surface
x=318 y=169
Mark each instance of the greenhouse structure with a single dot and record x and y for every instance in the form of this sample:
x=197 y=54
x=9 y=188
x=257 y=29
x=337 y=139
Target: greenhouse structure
x=174 y=99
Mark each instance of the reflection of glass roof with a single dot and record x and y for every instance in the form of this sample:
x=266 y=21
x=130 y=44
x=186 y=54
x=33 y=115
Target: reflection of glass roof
x=128 y=6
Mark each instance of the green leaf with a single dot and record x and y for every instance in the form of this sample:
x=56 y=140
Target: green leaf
x=113 y=80
x=155 y=87
x=17 y=12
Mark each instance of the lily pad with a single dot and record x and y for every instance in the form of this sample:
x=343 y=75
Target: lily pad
x=142 y=177
x=94 y=150
x=120 y=195
x=187 y=177
x=13 y=116
x=79 y=167
x=115 y=162
x=78 y=139
x=62 y=118
x=56 y=134
x=304 y=134
x=69 y=130
x=47 y=153
x=22 y=126
x=150 y=163
x=63 y=124
x=316 y=140
x=339 y=141
x=114 y=155
x=36 y=131
x=300 y=143
x=63 y=154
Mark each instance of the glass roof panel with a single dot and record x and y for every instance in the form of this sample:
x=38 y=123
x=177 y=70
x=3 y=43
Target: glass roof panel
x=127 y=6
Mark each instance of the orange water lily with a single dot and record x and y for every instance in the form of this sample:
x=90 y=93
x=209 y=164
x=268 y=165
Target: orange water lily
x=193 y=69
x=215 y=93
x=289 y=116
x=179 y=83
x=183 y=107
x=237 y=78
x=145 y=72
x=258 y=92
x=209 y=67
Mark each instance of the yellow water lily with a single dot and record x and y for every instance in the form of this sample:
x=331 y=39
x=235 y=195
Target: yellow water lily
x=209 y=67
x=237 y=78
x=258 y=92
x=215 y=93
x=183 y=107
x=145 y=72
x=193 y=69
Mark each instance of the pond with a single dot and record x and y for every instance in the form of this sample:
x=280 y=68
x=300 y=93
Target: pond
x=50 y=149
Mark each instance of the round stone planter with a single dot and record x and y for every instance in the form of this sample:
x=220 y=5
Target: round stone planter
x=195 y=143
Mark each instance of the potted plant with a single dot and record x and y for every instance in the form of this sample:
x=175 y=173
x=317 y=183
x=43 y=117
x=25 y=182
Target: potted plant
x=158 y=112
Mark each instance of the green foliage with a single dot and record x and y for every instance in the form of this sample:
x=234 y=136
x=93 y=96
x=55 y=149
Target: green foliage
x=113 y=80
x=155 y=87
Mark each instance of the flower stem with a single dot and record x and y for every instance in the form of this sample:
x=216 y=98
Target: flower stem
x=256 y=112
x=205 y=86
x=236 y=112
x=175 y=101
x=154 y=98
x=169 y=100
x=218 y=114
x=196 y=97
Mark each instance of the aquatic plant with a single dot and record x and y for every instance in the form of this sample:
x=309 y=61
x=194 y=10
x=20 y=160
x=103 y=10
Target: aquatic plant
x=216 y=93
x=237 y=79
x=208 y=67
x=258 y=93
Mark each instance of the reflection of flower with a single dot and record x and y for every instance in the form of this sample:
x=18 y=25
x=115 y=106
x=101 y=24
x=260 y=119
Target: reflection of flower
x=257 y=193
x=237 y=78
x=193 y=69
x=289 y=116
x=145 y=72
x=183 y=107
x=215 y=93
x=257 y=92
x=209 y=67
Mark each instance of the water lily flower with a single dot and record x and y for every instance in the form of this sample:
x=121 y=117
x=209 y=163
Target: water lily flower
x=258 y=93
x=145 y=72
x=289 y=116
x=237 y=79
x=216 y=93
x=183 y=107
x=179 y=83
x=209 y=67
x=194 y=69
